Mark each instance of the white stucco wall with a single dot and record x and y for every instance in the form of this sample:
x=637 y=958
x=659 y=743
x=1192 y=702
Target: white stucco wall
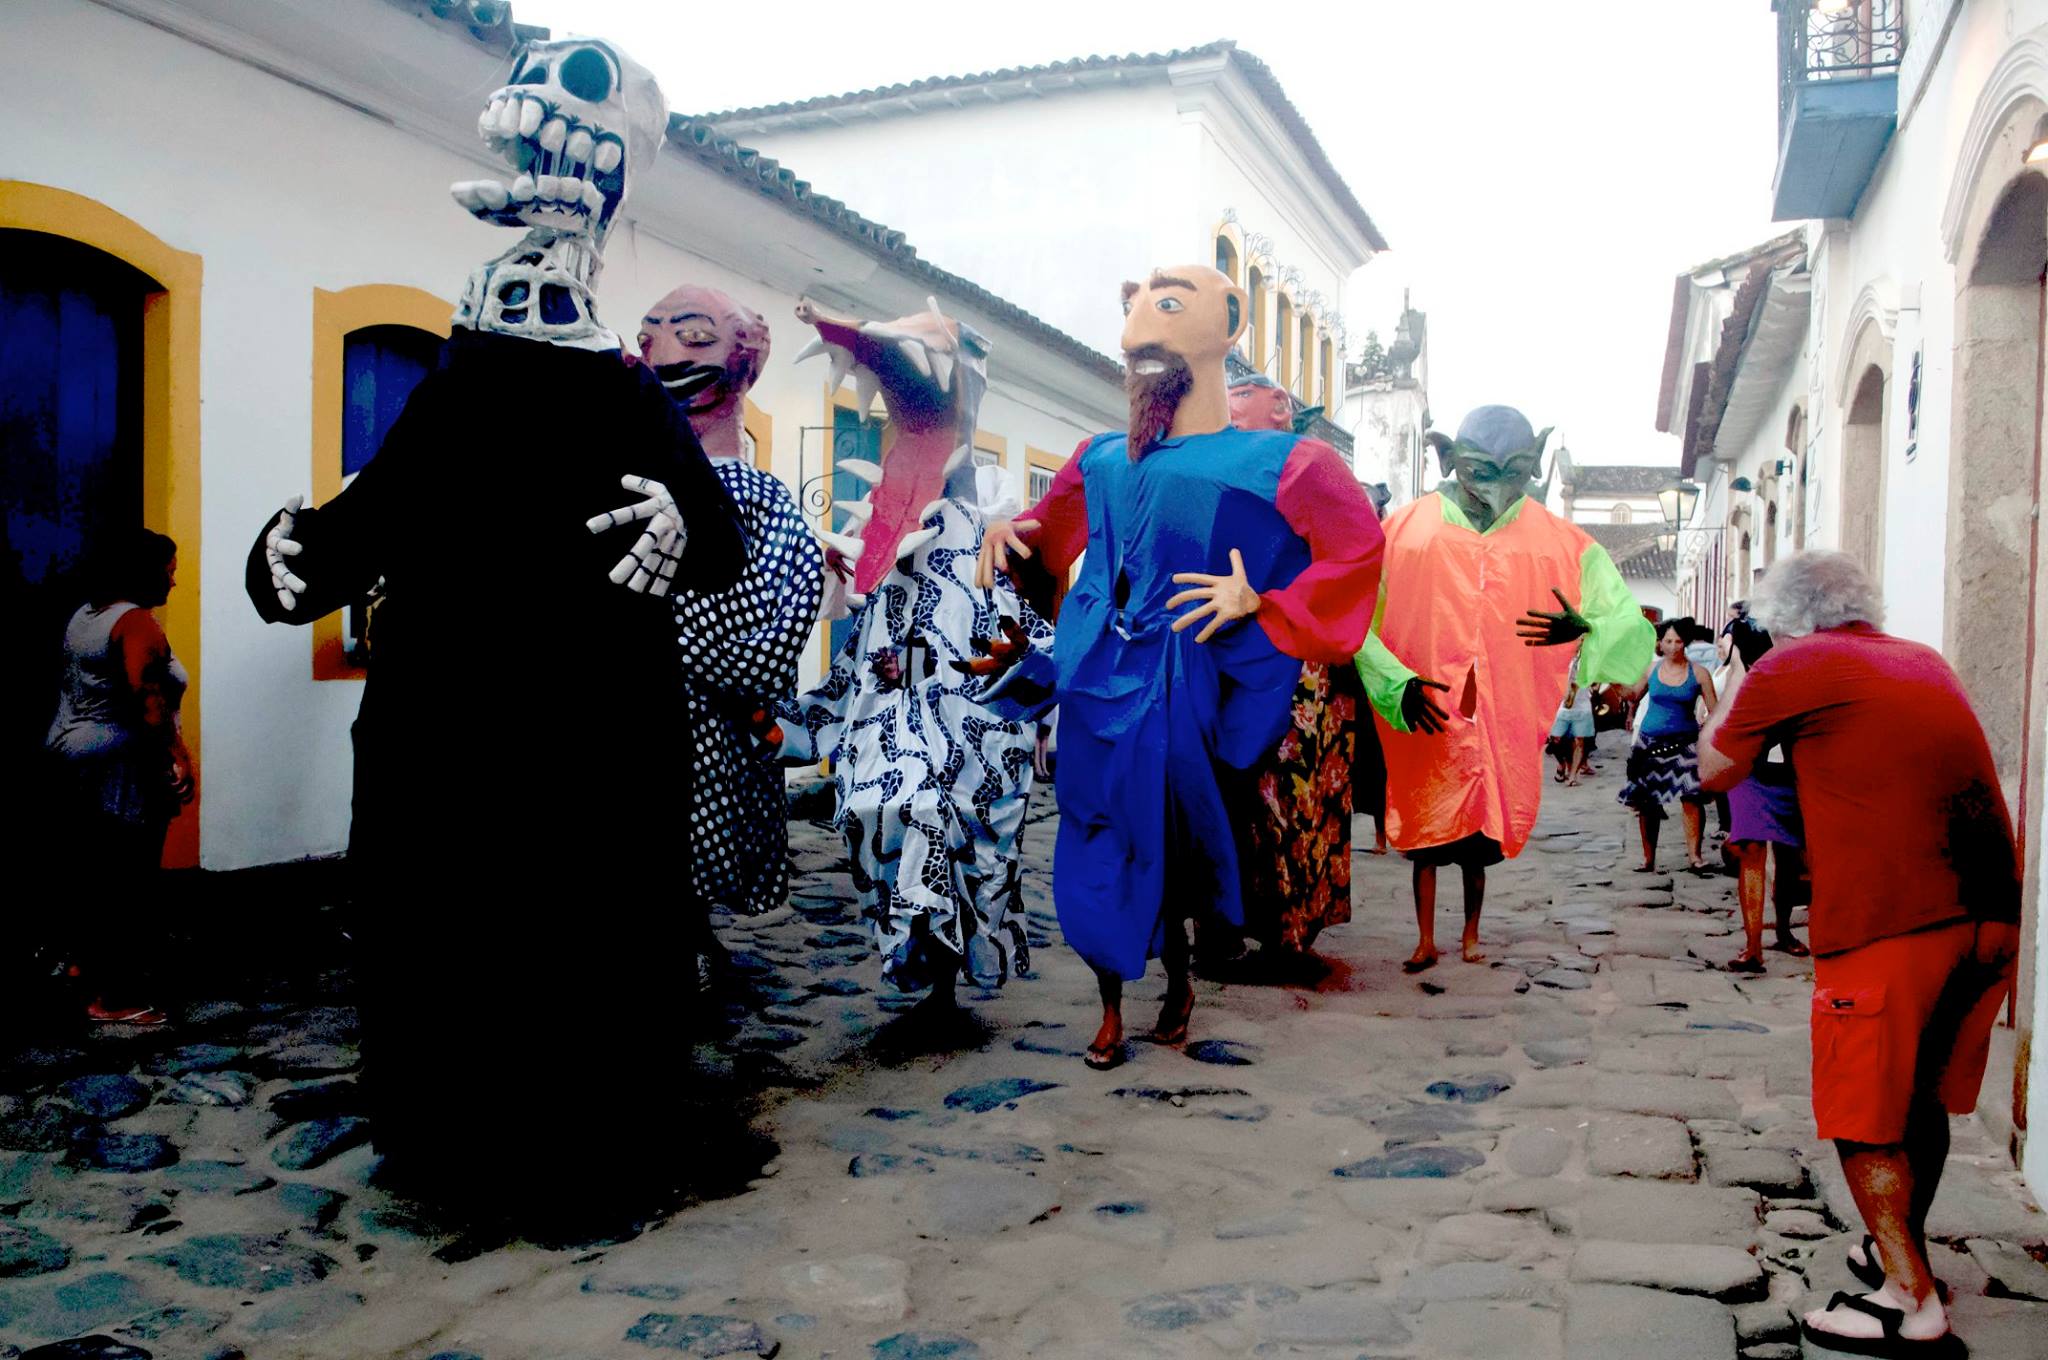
x=1891 y=257
x=1054 y=202
x=1023 y=198
x=315 y=194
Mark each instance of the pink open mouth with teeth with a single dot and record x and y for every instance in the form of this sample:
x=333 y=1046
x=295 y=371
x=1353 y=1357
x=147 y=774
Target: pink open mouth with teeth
x=931 y=373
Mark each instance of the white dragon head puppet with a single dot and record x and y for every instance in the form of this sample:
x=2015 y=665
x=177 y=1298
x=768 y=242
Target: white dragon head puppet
x=931 y=373
x=577 y=121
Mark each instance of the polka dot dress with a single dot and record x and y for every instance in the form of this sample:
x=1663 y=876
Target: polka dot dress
x=740 y=650
x=932 y=784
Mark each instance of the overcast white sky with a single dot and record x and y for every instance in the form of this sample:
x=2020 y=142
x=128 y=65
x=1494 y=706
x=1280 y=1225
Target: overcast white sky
x=1542 y=172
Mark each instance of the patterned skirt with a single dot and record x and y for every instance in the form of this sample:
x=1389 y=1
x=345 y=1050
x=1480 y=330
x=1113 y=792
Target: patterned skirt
x=1294 y=811
x=1662 y=770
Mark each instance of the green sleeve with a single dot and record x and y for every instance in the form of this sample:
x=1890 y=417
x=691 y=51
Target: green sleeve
x=1382 y=673
x=1621 y=642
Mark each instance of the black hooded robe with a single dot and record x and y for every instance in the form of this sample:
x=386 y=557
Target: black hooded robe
x=519 y=839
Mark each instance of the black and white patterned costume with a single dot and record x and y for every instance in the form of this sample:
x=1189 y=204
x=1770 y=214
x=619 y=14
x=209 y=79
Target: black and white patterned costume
x=932 y=784
x=740 y=650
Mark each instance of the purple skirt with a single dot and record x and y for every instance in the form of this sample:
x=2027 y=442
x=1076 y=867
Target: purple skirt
x=1758 y=811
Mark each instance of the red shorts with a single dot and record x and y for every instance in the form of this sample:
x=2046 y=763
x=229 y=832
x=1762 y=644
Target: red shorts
x=1897 y=1022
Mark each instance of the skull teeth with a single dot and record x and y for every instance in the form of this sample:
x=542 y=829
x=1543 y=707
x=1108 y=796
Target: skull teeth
x=579 y=145
x=530 y=114
x=554 y=135
x=609 y=154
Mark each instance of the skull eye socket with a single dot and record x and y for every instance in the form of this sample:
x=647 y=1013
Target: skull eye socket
x=587 y=75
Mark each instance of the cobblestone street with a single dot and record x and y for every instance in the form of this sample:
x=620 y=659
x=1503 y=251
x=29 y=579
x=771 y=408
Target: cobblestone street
x=1594 y=1145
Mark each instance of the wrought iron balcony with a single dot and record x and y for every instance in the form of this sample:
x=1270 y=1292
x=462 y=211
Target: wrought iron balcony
x=1838 y=101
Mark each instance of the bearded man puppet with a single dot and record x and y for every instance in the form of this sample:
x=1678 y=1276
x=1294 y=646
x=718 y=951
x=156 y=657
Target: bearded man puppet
x=741 y=646
x=523 y=755
x=1470 y=567
x=931 y=781
x=1217 y=561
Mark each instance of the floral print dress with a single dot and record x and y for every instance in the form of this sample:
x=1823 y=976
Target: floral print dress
x=1295 y=847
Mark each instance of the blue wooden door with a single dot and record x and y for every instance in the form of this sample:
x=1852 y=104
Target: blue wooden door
x=380 y=366
x=852 y=437
x=70 y=449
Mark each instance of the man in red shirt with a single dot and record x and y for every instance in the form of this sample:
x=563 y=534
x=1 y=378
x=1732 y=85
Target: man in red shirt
x=1915 y=916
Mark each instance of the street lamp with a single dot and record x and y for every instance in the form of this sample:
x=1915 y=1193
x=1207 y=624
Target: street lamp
x=1677 y=500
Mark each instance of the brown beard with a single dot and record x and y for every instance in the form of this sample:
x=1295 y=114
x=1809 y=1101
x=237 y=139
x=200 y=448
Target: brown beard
x=1154 y=397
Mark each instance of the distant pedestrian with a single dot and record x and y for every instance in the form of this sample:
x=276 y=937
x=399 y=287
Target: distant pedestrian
x=117 y=767
x=1572 y=733
x=1765 y=835
x=1663 y=765
x=1915 y=917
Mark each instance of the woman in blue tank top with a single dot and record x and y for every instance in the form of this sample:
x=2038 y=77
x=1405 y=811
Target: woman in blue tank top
x=1663 y=765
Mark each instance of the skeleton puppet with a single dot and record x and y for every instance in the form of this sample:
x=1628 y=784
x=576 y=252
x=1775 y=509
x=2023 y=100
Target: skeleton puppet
x=523 y=756
x=932 y=782
x=740 y=648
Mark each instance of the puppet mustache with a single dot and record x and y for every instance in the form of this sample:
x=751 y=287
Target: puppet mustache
x=1155 y=380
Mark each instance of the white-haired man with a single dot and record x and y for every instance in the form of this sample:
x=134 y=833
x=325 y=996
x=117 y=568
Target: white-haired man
x=1915 y=916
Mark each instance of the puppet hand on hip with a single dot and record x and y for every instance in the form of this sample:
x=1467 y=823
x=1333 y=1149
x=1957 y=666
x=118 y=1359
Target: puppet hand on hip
x=1543 y=628
x=650 y=566
x=279 y=544
x=998 y=541
x=1419 y=710
x=1224 y=599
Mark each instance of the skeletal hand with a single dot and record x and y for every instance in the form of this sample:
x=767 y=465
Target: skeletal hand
x=650 y=566
x=998 y=541
x=1225 y=599
x=279 y=544
x=1543 y=628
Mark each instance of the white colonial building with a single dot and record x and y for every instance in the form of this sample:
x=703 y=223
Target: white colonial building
x=1053 y=184
x=1386 y=408
x=1617 y=504
x=1890 y=367
x=219 y=216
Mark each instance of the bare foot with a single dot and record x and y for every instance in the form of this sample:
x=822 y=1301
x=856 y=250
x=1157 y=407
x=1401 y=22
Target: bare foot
x=1788 y=944
x=1174 y=1010
x=1379 y=849
x=1422 y=959
x=1747 y=961
x=1469 y=951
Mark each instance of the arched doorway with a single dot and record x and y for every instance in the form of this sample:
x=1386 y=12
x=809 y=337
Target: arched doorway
x=70 y=447
x=1862 y=479
x=1995 y=464
x=1991 y=602
x=148 y=292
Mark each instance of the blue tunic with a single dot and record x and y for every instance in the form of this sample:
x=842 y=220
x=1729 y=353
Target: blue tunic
x=1148 y=715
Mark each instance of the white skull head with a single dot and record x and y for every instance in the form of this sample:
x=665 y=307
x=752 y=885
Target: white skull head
x=578 y=119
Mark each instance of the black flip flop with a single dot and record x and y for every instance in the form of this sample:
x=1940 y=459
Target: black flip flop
x=1103 y=1060
x=1888 y=1346
x=1870 y=1273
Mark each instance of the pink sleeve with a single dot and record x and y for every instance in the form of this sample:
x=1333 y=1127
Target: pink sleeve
x=1323 y=615
x=1062 y=533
